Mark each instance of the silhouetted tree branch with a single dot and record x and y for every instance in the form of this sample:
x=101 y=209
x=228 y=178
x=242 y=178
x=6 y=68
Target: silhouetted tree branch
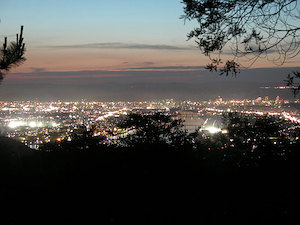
x=12 y=54
x=251 y=29
x=292 y=83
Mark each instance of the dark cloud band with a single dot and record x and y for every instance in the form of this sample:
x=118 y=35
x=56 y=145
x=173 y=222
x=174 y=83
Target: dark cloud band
x=118 y=45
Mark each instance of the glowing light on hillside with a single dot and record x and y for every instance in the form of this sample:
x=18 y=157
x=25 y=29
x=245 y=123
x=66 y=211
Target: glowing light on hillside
x=54 y=124
x=14 y=124
x=290 y=117
x=109 y=114
x=213 y=130
x=32 y=124
x=224 y=131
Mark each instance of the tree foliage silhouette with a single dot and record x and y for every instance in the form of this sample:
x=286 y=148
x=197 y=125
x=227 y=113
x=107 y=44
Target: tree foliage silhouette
x=12 y=54
x=249 y=29
x=150 y=169
x=153 y=129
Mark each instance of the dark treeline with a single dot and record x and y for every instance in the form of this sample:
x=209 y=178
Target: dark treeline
x=157 y=175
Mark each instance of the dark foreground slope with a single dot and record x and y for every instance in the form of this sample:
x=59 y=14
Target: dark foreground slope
x=148 y=184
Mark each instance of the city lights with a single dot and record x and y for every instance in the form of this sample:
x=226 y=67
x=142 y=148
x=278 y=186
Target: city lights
x=14 y=124
x=213 y=130
x=35 y=123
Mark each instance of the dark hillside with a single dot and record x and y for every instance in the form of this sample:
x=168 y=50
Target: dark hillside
x=159 y=175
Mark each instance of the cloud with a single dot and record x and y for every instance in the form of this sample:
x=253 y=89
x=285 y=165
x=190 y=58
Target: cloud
x=82 y=73
x=103 y=74
x=37 y=69
x=148 y=63
x=118 y=45
x=179 y=68
x=183 y=74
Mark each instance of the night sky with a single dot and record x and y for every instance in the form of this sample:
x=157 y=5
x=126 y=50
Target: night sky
x=118 y=50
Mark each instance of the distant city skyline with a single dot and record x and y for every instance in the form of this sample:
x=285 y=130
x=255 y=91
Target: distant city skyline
x=55 y=121
x=126 y=49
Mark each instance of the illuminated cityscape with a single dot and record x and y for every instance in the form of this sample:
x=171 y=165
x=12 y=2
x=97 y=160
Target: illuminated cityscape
x=35 y=123
x=150 y=112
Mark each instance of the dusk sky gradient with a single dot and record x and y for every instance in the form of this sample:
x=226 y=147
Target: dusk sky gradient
x=113 y=49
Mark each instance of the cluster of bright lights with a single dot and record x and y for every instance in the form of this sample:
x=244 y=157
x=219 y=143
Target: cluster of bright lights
x=291 y=118
x=54 y=124
x=50 y=109
x=32 y=124
x=213 y=130
x=109 y=114
x=14 y=124
x=35 y=124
